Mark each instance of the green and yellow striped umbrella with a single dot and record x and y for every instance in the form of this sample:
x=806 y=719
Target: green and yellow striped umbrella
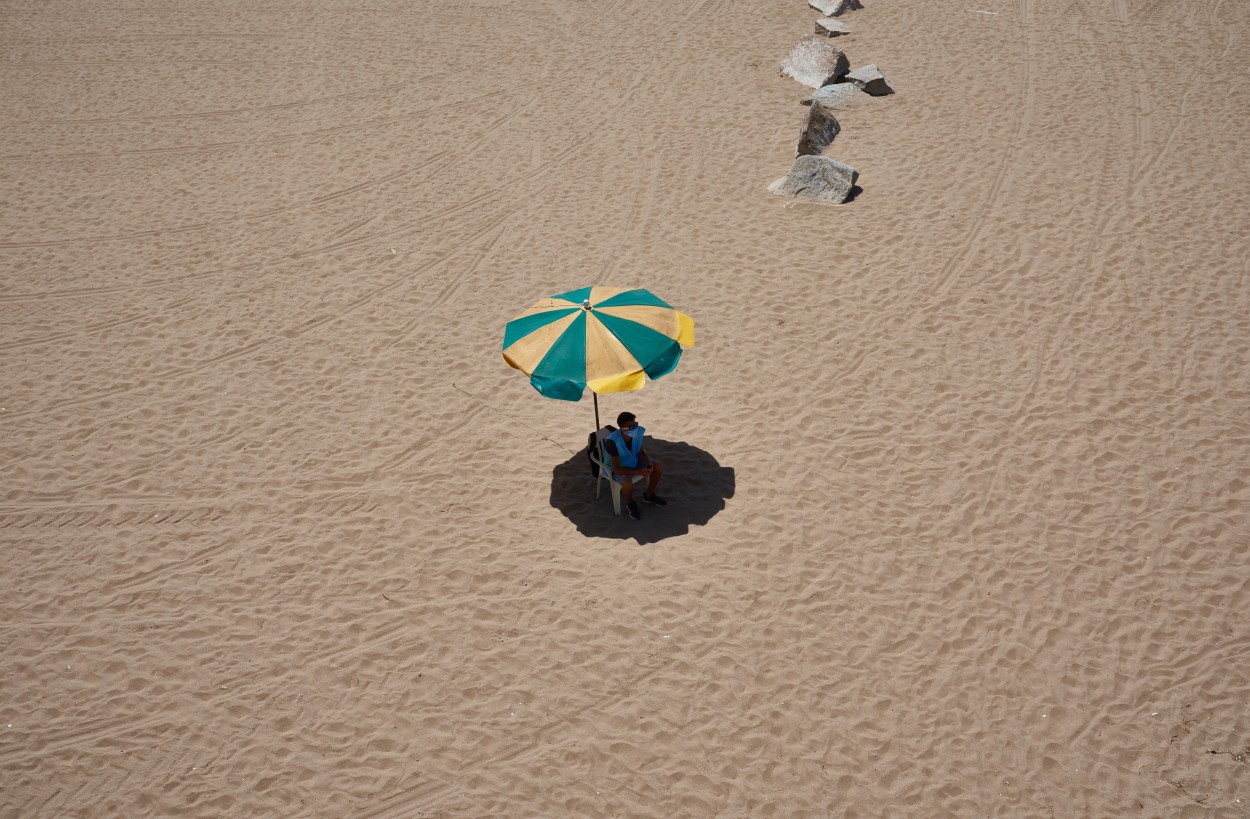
x=607 y=338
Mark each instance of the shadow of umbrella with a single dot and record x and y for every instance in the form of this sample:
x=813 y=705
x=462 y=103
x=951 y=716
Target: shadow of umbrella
x=695 y=485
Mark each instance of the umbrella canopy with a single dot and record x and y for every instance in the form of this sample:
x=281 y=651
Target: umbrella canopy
x=607 y=338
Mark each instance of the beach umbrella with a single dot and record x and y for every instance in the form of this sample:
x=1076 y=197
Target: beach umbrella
x=610 y=339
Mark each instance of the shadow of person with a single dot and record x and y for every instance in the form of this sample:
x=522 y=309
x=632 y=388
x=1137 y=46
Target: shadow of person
x=695 y=486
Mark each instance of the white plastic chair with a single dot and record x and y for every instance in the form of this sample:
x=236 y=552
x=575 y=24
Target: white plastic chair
x=604 y=463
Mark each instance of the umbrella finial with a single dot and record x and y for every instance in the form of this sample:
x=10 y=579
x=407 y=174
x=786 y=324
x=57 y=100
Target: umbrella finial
x=586 y=305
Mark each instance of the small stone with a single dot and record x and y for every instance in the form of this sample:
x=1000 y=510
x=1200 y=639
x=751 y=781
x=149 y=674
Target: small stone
x=871 y=80
x=829 y=27
x=817 y=177
x=814 y=63
x=835 y=8
x=819 y=129
x=838 y=96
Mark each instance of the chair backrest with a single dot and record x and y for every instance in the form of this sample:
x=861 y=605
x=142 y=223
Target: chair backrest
x=600 y=451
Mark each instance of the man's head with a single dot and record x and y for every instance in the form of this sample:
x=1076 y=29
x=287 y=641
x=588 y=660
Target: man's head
x=625 y=420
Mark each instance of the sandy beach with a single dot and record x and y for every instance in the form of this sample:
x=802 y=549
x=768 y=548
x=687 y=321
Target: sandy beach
x=959 y=471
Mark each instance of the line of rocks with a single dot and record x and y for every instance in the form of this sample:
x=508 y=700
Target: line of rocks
x=817 y=64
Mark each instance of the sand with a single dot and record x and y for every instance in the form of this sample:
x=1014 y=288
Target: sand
x=958 y=471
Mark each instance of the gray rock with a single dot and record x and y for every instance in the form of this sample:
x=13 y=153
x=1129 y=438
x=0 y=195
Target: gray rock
x=829 y=27
x=817 y=177
x=838 y=96
x=819 y=129
x=814 y=62
x=835 y=8
x=871 y=79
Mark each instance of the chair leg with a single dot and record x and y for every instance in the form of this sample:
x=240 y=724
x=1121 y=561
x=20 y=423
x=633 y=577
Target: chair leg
x=616 y=497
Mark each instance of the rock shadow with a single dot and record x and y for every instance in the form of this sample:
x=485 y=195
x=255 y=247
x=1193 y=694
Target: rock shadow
x=695 y=485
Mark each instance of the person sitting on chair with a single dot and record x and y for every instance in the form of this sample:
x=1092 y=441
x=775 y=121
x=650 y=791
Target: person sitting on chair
x=624 y=448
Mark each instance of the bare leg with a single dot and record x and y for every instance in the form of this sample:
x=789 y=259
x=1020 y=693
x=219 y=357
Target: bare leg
x=657 y=472
x=627 y=488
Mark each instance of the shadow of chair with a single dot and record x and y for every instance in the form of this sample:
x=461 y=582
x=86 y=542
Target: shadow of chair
x=695 y=484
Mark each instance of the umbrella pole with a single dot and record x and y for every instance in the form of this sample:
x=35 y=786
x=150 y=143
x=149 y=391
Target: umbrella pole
x=597 y=424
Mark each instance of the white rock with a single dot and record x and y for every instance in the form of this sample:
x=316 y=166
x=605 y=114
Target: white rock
x=829 y=27
x=870 y=78
x=817 y=177
x=814 y=63
x=835 y=8
x=838 y=96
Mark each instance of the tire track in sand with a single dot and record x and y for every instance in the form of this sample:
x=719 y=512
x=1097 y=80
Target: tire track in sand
x=218 y=113
x=254 y=215
x=92 y=329
x=1022 y=117
x=344 y=231
x=1114 y=174
x=275 y=140
x=284 y=336
x=293 y=332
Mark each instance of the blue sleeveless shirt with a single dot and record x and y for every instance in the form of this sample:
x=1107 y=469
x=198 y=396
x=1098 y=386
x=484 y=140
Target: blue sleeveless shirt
x=628 y=452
